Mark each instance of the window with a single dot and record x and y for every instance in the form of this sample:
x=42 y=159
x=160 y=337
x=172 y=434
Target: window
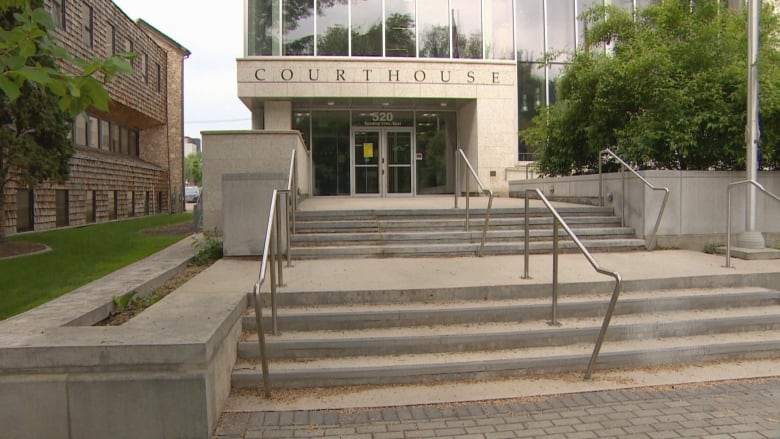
x=466 y=29
x=499 y=30
x=147 y=202
x=105 y=135
x=159 y=202
x=25 y=214
x=132 y=143
x=399 y=28
x=145 y=67
x=124 y=140
x=128 y=47
x=93 y=137
x=62 y=208
x=58 y=13
x=332 y=26
x=114 y=138
x=434 y=35
x=112 y=205
x=130 y=203
x=89 y=207
x=159 y=77
x=263 y=29
x=299 y=32
x=88 y=26
x=112 y=40
x=366 y=27
x=80 y=130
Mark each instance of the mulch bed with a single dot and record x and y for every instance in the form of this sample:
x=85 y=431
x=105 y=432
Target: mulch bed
x=9 y=249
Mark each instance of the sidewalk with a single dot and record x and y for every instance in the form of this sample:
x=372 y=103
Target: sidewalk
x=736 y=409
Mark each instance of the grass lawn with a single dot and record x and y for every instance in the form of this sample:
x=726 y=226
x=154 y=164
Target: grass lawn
x=78 y=256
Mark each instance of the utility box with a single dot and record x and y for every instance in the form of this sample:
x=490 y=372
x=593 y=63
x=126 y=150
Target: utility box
x=246 y=203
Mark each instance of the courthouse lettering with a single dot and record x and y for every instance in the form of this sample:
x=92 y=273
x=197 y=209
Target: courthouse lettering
x=376 y=76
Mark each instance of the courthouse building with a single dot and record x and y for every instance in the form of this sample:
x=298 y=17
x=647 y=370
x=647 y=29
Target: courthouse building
x=384 y=91
x=128 y=161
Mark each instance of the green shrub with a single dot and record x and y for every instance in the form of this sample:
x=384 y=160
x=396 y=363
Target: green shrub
x=209 y=248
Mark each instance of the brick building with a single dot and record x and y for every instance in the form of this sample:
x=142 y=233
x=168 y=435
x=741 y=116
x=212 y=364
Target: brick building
x=127 y=161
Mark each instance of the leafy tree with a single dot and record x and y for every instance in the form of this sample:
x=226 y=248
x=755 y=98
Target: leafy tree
x=193 y=170
x=670 y=94
x=39 y=99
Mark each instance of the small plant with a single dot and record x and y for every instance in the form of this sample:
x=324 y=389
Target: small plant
x=712 y=248
x=131 y=301
x=209 y=249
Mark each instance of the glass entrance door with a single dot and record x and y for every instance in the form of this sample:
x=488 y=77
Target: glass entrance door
x=383 y=161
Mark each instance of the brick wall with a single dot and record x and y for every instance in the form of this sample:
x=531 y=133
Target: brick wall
x=157 y=174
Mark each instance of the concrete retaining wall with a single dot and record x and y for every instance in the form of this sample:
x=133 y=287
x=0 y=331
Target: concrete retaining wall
x=164 y=374
x=695 y=214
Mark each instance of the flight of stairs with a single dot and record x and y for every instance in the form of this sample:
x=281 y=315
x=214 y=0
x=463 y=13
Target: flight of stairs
x=370 y=337
x=441 y=232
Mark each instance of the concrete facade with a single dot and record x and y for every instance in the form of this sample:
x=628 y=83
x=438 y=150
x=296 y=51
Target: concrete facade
x=248 y=153
x=696 y=211
x=148 y=101
x=482 y=93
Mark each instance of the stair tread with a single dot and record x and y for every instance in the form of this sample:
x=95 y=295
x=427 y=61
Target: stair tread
x=649 y=346
x=691 y=317
x=483 y=303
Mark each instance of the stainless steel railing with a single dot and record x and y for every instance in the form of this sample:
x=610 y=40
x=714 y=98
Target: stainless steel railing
x=461 y=156
x=651 y=242
x=728 y=211
x=272 y=251
x=557 y=219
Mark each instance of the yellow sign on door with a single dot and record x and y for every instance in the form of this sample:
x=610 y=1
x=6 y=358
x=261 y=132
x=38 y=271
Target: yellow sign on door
x=368 y=150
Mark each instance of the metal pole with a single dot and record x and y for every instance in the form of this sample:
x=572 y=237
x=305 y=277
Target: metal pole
x=554 y=321
x=457 y=176
x=279 y=226
x=601 y=181
x=526 y=245
x=752 y=238
x=261 y=343
x=622 y=197
x=272 y=249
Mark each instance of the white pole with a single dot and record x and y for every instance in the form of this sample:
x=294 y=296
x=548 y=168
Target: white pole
x=752 y=238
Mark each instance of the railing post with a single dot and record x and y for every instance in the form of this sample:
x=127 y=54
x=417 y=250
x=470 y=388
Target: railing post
x=728 y=226
x=261 y=342
x=278 y=232
x=623 y=197
x=457 y=176
x=289 y=217
x=527 y=235
x=601 y=181
x=554 y=316
x=272 y=250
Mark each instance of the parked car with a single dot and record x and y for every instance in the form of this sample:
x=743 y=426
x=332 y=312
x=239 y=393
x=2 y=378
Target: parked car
x=191 y=194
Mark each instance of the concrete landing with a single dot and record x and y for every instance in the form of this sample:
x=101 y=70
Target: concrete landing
x=751 y=254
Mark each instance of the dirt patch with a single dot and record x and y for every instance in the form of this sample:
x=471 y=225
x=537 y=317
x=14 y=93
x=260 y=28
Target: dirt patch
x=9 y=249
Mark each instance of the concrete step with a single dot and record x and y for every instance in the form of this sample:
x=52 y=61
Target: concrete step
x=413 y=223
x=460 y=249
x=437 y=367
x=377 y=214
x=453 y=236
x=524 y=307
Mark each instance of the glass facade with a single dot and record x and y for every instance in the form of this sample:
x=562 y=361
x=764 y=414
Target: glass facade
x=538 y=36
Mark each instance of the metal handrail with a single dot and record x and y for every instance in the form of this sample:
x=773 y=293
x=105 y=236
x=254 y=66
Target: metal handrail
x=460 y=155
x=557 y=219
x=272 y=249
x=649 y=244
x=728 y=211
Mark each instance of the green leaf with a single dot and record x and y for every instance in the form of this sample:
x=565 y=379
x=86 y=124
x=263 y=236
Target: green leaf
x=9 y=88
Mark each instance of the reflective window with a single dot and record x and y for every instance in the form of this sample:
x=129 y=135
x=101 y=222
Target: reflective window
x=582 y=27
x=93 y=137
x=332 y=24
x=399 y=28
x=530 y=30
x=530 y=97
x=80 y=130
x=299 y=28
x=499 y=36
x=435 y=141
x=330 y=145
x=624 y=4
x=433 y=22
x=366 y=27
x=263 y=27
x=560 y=34
x=466 y=29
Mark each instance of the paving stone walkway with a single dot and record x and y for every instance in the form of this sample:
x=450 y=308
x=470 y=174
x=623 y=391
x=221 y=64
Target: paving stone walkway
x=735 y=409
